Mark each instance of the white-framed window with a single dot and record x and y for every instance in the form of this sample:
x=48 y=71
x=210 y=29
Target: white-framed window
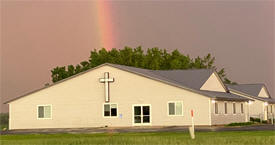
x=216 y=107
x=44 y=111
x=234 y=108
x=110 y=110
x=242 y=110
x=141 y=114
x=225 y=107
x=175 y=108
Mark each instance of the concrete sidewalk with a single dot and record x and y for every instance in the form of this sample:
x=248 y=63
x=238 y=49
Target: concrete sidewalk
x=140 y=129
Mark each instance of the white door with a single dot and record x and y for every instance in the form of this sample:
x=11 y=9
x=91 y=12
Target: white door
x=141 y=115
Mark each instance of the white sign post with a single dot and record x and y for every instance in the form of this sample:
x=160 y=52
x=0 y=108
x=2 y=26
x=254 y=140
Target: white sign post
x=192 y=128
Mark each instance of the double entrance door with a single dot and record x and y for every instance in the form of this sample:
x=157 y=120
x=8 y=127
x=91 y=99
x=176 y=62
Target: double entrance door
x=141 y=114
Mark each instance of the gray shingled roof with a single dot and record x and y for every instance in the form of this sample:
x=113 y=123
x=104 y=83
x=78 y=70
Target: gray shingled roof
x=191 y=80
x=224 y=96
x=251 y=90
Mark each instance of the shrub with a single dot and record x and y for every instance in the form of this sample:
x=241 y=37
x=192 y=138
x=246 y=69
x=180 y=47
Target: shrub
x=240 y=124
x=255 y=119
x=264 y=121
x=4 y=120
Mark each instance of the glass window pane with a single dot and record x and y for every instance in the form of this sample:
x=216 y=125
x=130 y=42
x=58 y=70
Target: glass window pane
x=113 y=106
x=216 y=108
x=146 y=110
x=171 y=108
x=106 y=113
x=107 y=110
x=225 y=108
x=146 y=119
x=137 y=110
x=40 y=112
x=47 y=111
x=234 y=108
x=241 y=108
x=137 y=119
x=107 y=107
x=178 y=108
x=113 y=112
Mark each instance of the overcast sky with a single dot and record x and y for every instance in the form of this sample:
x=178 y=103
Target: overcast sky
x=37 y=36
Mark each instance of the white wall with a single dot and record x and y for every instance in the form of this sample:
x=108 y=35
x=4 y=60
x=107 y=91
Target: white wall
x=213 y=84
x=263 y=93
x=78 y=102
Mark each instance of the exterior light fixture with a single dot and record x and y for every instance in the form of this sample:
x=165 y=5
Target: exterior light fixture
x=213 y=101
x=265 y=103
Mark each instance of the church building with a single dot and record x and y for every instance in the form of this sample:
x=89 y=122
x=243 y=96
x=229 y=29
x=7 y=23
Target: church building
x=122 y=96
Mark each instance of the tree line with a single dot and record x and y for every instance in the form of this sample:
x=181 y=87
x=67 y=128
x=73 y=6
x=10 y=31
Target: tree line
x=154 y=59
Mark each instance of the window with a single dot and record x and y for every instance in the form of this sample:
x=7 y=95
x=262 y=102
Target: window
x=271 y=109
x=110 y=110
x=216 y=108
x=234 y=108
x=225 y=108
x=175 y=108
x=44 y=111
x=142 y=114
x=242 y=108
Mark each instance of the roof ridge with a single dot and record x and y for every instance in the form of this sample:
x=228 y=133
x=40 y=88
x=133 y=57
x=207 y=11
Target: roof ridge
x=246 y=84
x=184 y=69
x=163 y=69
x=145 y=73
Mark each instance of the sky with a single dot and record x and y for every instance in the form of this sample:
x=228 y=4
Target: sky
x=37 y=36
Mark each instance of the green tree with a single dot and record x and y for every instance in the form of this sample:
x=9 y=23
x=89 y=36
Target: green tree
x=154 y=58
x=126 y=56
x=71 y=70
x=138 y=57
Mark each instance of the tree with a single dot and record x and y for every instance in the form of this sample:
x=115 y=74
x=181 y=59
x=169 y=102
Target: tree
x=154 y=58
x=71 y=70
x=85 y=65
x=126 y=56
x=138 y=57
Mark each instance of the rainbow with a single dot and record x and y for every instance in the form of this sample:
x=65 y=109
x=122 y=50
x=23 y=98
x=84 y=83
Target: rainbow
x=105 y=24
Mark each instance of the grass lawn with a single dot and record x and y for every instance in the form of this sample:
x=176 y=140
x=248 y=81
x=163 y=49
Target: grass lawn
x=161 y=138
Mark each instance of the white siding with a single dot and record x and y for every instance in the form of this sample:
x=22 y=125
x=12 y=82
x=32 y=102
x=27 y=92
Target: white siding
x=213 y=84
x=78 y=102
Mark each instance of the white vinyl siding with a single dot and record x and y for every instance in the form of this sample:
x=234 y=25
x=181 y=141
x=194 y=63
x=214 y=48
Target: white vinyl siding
x=175 y=108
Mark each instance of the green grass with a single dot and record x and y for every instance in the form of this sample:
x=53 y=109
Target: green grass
x=162 y=138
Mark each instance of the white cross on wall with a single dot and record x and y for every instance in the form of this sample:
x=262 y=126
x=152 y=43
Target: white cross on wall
x=106 y=81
